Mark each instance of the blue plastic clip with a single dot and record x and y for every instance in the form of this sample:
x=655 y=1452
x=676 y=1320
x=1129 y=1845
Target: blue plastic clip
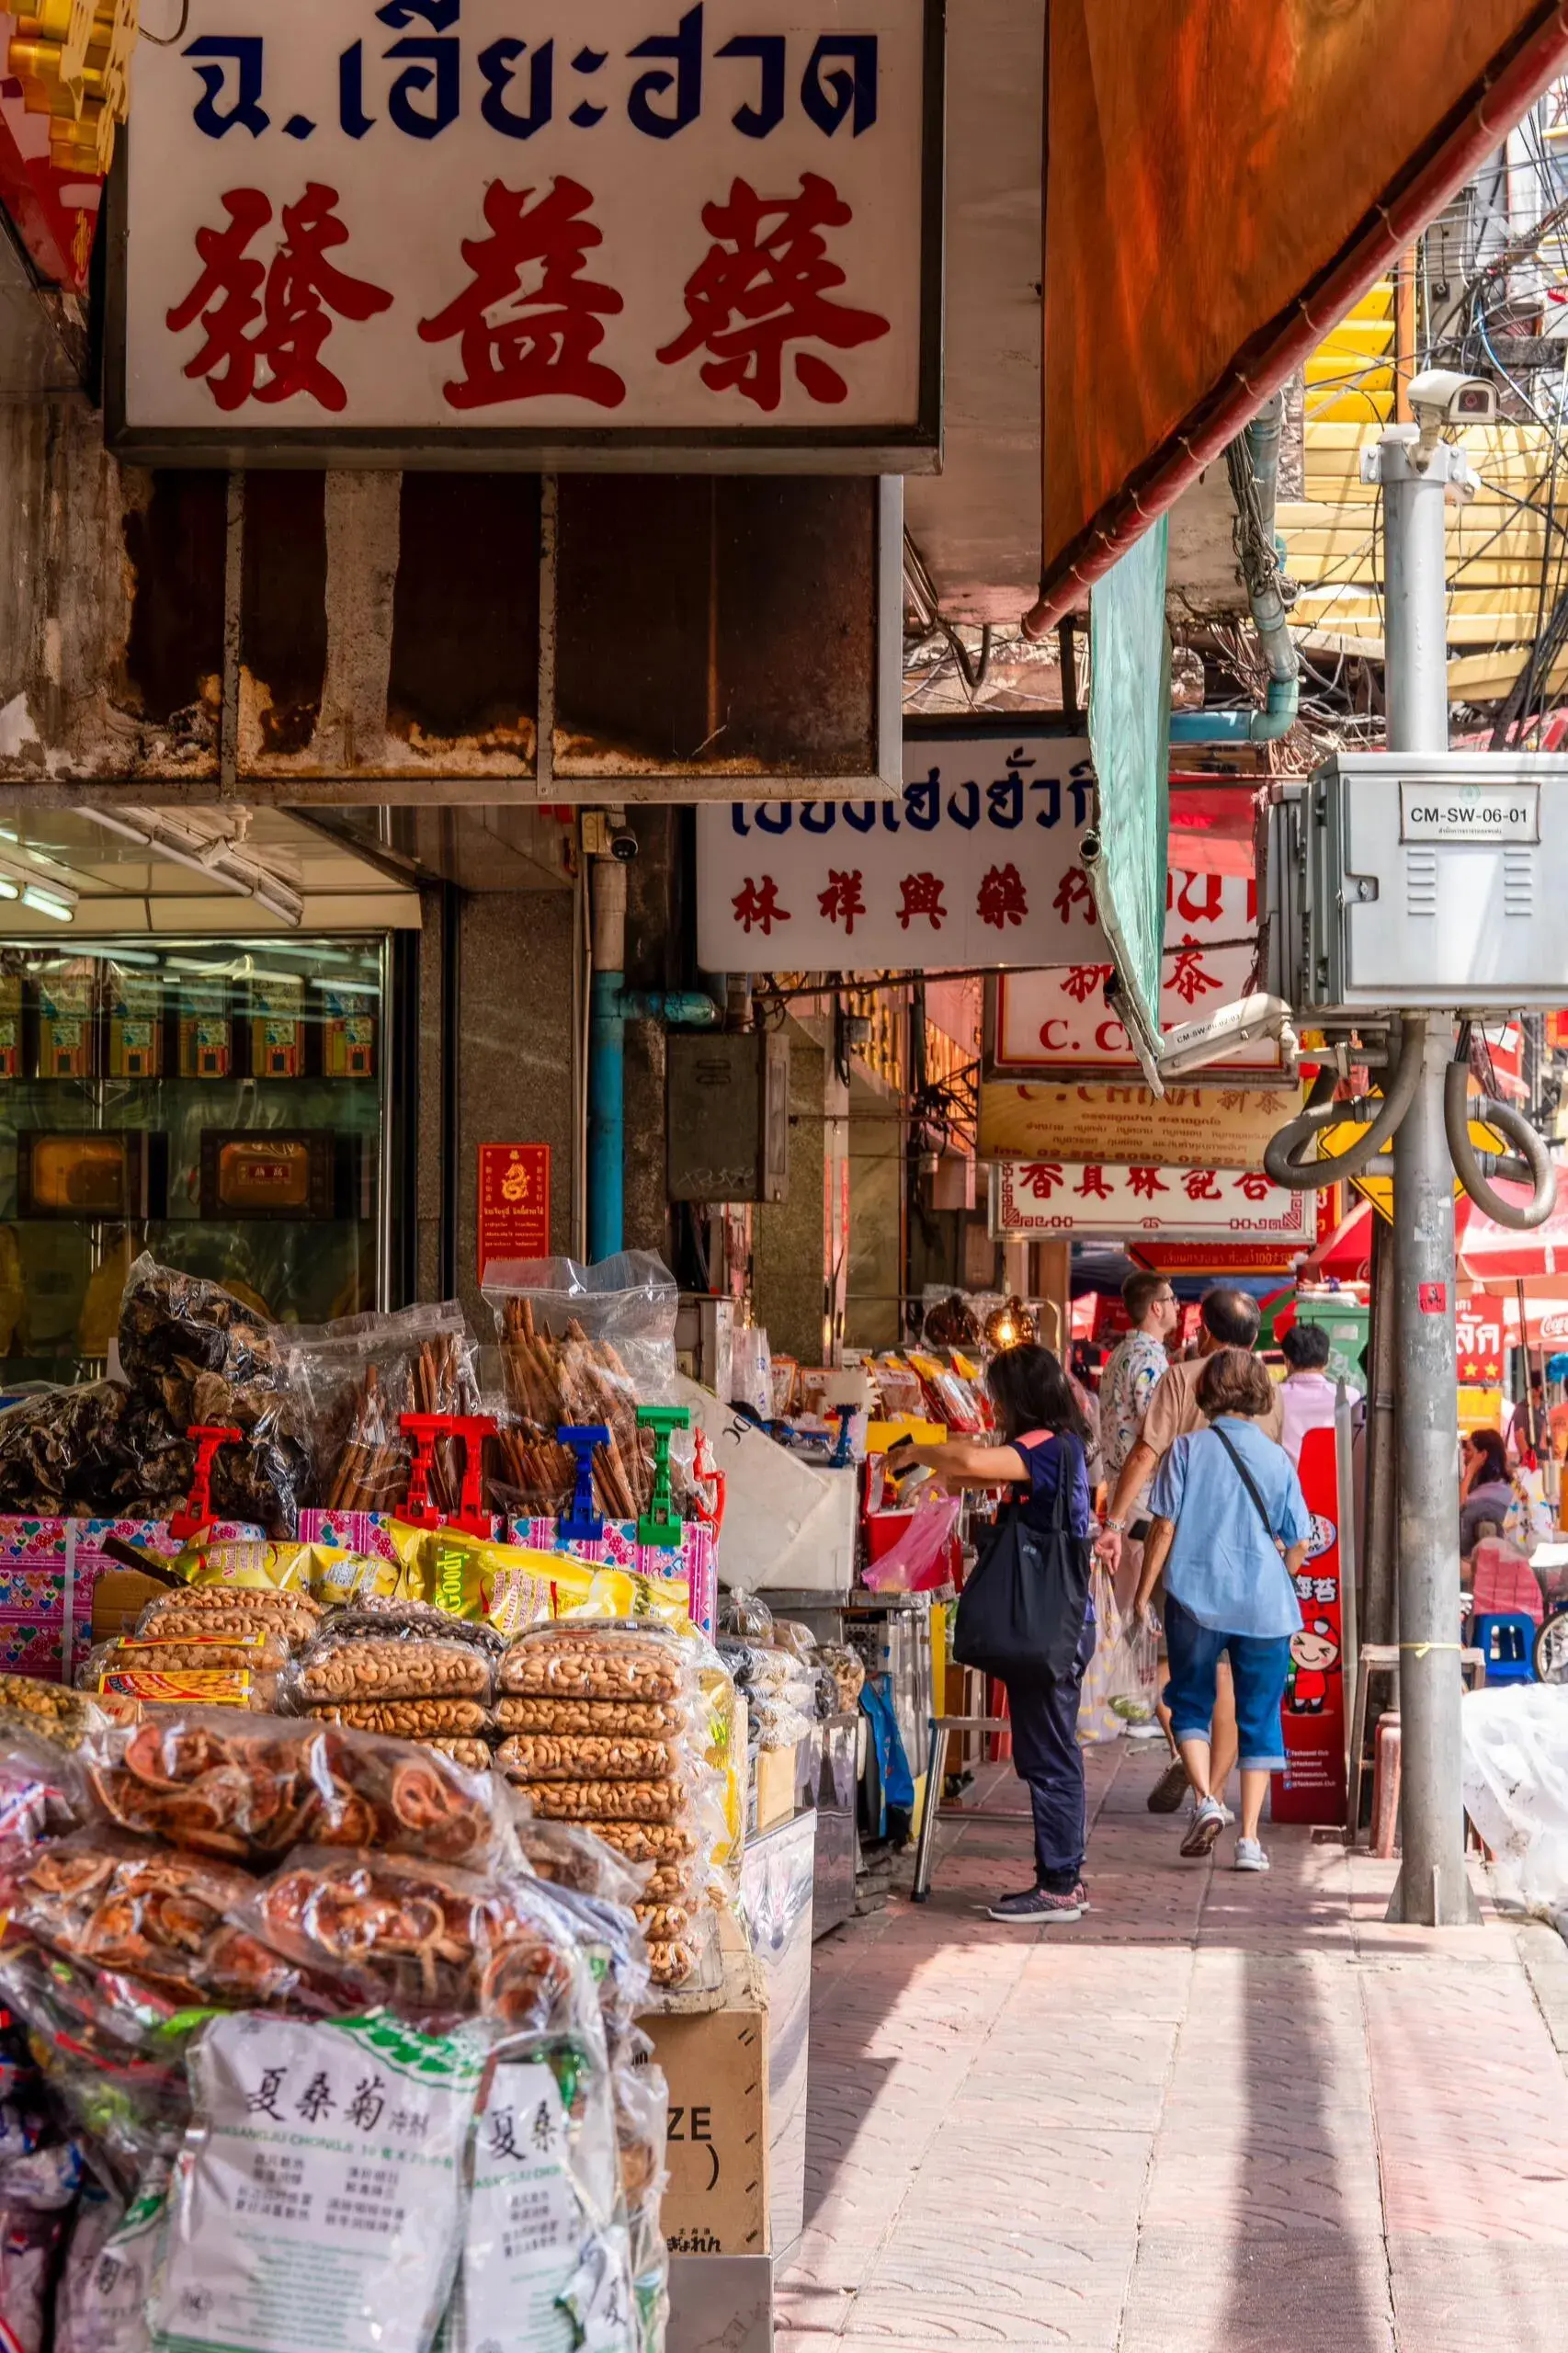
x=842 y=1457
x=583 y=1524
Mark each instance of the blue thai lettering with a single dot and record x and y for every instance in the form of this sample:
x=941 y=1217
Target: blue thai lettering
x=351 y=92
x=890 y=816
x=861 y=814
x=243 y=51
x=1051 y=815
x=684 y=48
x=969 y=815
x=434 y=66
x=757 y=122
x=738 y=818
x=498 y=64
x=776 y=817
x=829 y=99
x=819 y=816
x=589 y=60
x=1004 y=800
x=923 y=803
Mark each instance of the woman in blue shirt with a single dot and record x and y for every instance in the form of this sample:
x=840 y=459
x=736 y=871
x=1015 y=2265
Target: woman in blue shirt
x=1043 y=1439
x=1230 y=1532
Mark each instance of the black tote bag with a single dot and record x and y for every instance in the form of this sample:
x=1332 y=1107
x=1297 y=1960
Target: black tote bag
x=1022 y=1611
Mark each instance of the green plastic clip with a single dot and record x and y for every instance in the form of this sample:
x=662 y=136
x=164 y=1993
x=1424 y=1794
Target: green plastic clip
x=659 y=1523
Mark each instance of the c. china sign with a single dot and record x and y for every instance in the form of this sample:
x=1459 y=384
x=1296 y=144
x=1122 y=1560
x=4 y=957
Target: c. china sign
x=582 y=224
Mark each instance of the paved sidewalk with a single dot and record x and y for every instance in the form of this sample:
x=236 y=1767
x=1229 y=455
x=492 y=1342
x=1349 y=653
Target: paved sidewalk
x=1219 y=2113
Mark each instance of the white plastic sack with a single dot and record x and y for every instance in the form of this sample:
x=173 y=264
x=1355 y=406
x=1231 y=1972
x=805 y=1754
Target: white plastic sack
x=1516 y=1788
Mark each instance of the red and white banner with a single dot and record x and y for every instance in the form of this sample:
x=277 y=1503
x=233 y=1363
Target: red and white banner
x=1055 y=1197
x=1311 y=1788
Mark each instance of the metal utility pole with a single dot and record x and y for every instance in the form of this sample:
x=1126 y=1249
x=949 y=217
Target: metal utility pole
x=1434 y=1886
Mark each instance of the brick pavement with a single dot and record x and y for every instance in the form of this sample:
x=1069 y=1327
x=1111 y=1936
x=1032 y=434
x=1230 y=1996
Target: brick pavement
x=1219 y=2113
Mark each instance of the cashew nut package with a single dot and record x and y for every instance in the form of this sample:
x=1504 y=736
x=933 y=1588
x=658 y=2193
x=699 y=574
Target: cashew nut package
x=319 y=2203
x=616 y=1732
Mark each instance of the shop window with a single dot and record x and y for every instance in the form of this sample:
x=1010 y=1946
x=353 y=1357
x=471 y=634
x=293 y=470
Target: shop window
x=219 y=1103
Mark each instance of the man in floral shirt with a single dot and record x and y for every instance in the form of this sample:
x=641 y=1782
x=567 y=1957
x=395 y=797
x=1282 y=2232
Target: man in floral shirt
x=1126 y=1385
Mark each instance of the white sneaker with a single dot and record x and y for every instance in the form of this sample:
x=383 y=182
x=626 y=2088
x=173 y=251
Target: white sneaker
x=1226 y=1816
x=1207 y=1822
x=1250 y=1855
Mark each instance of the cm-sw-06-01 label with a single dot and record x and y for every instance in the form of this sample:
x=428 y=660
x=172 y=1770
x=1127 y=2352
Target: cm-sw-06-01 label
x=1490 y=814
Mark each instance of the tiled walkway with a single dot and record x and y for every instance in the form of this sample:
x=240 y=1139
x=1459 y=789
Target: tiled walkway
x=1219 y=2113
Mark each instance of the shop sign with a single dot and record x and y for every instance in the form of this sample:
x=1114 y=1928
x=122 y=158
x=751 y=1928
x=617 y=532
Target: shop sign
x=1228 y=1127
x=591 y=225
x=1046 y=1198
x=1311 y=1788
x=978 y=864
x=1197 y=1260
x=1478 y=1334
x=513 y=1203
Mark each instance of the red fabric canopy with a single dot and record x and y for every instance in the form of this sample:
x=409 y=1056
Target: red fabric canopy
x=1490 y=1253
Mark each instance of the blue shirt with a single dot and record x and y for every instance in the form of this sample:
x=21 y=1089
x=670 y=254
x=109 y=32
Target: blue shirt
x=1044 y=1459
x=1221 y=1567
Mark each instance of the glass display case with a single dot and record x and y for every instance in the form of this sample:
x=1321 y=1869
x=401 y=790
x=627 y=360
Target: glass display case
x=221 y=1103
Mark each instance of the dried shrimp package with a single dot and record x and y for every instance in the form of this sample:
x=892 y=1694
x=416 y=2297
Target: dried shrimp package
x=101 y=2304
x=319 y=2200
x=546 y=2263
x=427 y=1939
x=253 y=1788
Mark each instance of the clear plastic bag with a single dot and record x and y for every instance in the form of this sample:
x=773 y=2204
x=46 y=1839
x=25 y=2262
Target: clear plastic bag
x=743 y=1617
x=115 y=2247
x=324 y=2168
x=368 y=1656
x=62 y=1449
x=202 y=1611
x=360 y=1374
x=29 y=2241
x=252 y=1788
x=917 y=1560
x=582 y=1346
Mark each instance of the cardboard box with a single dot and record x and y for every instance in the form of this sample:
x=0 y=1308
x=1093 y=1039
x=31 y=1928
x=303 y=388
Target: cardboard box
x=716 y=2067
x=118 y=1598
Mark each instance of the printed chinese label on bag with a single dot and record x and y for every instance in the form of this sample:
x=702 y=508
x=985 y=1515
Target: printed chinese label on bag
x=545 y=2269
x=102 y=2305
x=318 y=2200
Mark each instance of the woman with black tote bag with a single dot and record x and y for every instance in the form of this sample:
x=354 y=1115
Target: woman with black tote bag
x=1025 y=1615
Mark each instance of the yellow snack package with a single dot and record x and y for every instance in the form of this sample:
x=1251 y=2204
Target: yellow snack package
x=514 y=1585
x=249 y=1563
x=337 y=1579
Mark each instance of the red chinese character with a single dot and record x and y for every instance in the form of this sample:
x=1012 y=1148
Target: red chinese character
x=1092 y=1186
x=842 y=900
x=1199 y=1186
x=1001 y=899
x=1074 y=891
x=759 y=905
x=1146 y=1183
x=530 y=322
x=1190 y=980
x=768 y=271
x=1254 y=1184
x=922 y=896
x=1084 y=980
x=267 y=321
x=1040 y=1178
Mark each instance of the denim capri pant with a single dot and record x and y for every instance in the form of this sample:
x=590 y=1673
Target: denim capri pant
x=1259 y=1665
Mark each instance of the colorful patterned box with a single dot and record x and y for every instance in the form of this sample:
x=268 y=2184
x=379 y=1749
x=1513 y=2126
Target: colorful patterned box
x=619 y=1548
x=47 y=1572
x=352 y=1531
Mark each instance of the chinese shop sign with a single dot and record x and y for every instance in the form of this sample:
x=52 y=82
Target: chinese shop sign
x=1230 y=1126
x=1046 y=1198
x=1311 y=1788
x=623 y=220
x=513 y=1203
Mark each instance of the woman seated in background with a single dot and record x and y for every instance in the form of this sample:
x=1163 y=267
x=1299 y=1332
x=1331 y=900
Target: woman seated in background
x=1486 y=1488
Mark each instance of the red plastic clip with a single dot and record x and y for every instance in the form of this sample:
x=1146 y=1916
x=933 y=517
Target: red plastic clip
x=197 y=1513
x=470 y=1432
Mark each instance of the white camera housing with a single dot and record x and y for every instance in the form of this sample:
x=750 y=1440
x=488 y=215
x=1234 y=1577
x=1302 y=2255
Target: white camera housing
x=1444 y=396
x=1226 y=1031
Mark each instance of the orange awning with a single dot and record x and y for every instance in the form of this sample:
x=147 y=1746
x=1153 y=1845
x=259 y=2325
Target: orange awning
x=1223 y=182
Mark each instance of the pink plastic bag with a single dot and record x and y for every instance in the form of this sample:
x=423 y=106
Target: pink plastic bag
x=917 y=1560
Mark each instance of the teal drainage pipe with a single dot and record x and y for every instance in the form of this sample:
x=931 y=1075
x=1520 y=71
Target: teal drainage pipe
x=1265 y=726
x=610 y=1006
x=1268 y=615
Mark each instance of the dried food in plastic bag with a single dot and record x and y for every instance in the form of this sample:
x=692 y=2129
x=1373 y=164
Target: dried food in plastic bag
x=659 y=1843
x=323 y=2174
x=410 y=1719
x=40 y=1789
x=572 y=1858
x=743 y=1617
x=544 y=2148
x=252 y=1789
x=426 y=1938
x=594 y=1661
x=29 y=2241
x=114 y=2250
x=774 y=1723
x=260 y=1651
x=346 y=1665
x=60 y=1450
x=289 y=1618
x=645 y=1802
x=110 y=2046
x=590 y=1756
x=175 y=1326
x=50 y=1709
x=848 y=1669
x=644 y=1719
x=472 y=1755
x=361 y=1374
x=103 y=1899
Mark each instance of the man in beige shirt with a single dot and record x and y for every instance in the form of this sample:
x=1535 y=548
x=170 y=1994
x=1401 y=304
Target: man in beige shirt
x=1230 y=1320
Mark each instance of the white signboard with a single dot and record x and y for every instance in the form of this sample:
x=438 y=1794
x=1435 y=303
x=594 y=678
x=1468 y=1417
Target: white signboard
x=1050 y=1197
x=1469 y=812
x=669 y=225
x=981 y=863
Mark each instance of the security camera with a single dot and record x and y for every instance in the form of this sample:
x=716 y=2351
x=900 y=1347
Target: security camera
x=623 y=845
x=1226 y=1031
x=1442 y=396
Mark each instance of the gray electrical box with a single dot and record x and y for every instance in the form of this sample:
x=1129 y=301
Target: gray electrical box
x=1437 y=879
x=729 y=1115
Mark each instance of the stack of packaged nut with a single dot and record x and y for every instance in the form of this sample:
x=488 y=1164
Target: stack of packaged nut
x=404 y=1668
x=223 y=1645
x=605 y=1725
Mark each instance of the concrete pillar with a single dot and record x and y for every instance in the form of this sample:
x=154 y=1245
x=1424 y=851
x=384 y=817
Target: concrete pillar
x=789 y=1270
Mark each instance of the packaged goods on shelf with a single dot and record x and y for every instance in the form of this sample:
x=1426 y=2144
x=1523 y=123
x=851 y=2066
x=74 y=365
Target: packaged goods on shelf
x=359 y=1375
